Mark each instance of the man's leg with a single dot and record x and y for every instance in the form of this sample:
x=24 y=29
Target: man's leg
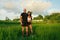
x=22 y=30
x=26 y=30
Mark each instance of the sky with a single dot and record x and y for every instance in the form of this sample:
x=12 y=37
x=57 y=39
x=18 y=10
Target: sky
x=13 y=8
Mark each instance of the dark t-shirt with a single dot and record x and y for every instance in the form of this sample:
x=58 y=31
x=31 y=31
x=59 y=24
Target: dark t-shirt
x=24 y=17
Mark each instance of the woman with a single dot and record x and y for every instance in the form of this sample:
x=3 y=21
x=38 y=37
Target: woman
x=29 y=19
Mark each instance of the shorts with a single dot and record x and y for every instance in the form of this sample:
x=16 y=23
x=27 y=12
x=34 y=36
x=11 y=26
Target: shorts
x=24 y=23
x=29 y=23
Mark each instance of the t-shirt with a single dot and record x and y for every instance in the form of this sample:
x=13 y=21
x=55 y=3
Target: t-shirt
x=24 y=17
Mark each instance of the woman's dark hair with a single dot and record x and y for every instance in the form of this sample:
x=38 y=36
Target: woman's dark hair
x=30 y=12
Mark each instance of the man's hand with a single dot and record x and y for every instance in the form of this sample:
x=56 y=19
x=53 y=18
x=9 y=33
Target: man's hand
x=21 y=23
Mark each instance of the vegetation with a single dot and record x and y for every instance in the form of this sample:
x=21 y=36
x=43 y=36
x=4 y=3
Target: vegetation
x=16 y=19
x=7 y=19
x=54 y=17
x=9 y=31
x=38 y=17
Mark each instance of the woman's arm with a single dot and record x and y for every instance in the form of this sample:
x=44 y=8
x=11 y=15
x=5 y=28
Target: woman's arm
x=31 y=17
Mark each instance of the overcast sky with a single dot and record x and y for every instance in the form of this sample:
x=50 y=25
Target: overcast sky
x=13 y=8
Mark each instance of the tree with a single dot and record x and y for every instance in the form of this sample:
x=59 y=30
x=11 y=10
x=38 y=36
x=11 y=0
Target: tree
x=16 y=19
x=7 y=19
x=53 y=17
x=38 y=17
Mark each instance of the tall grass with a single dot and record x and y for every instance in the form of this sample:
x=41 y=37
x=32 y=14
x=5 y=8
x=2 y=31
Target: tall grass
x=40 y=32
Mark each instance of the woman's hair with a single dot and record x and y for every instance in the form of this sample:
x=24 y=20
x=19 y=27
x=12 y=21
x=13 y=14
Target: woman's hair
x=30 y=12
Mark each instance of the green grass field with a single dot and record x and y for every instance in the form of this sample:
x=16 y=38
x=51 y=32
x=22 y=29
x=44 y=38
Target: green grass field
x=11 y=31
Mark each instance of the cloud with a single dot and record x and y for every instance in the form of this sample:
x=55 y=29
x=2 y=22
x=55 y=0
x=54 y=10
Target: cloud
x=29 y=4
x=16 y=6
x=4 y=14
x=9 y=5
x=38 y=7
x=53 y=10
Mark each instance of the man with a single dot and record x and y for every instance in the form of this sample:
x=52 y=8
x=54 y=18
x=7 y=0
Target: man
x=23 y=20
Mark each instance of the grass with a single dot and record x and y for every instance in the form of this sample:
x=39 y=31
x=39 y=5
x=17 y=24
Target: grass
x=41 y=32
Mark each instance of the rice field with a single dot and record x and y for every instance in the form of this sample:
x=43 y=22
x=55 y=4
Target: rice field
x=12 y=31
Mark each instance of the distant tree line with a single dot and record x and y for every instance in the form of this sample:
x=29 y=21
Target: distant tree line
x=54 y=17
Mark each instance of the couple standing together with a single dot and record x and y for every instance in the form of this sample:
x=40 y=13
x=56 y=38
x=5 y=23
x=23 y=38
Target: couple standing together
x=25 y=20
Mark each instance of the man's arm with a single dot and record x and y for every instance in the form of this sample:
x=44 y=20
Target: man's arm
x=21 y=19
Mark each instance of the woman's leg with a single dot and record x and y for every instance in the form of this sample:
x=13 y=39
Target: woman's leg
x=30 y=26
